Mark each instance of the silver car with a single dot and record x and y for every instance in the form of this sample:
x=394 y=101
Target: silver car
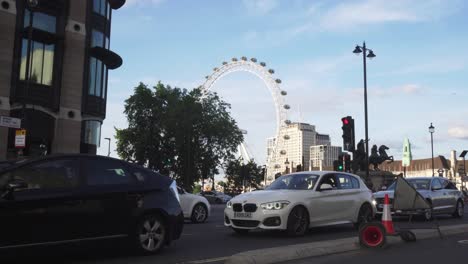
x=442 y=195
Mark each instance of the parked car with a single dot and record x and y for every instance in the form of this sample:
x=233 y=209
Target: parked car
x=77 y=198
x=216 y=197
x=298 y=201
x=195 y=207
x=442 y=195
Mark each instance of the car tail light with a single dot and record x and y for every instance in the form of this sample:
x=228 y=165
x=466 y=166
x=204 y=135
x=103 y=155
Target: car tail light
x=173 y=188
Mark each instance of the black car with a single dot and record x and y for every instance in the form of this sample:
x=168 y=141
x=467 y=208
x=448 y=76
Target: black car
x=74 y=198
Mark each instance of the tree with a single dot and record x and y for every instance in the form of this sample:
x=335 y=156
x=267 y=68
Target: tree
x=183 y=134
x=238 y=174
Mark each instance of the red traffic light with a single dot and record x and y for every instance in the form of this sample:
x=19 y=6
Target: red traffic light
x=345 y=121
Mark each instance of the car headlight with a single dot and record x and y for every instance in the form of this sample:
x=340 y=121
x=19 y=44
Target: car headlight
x=374 y=202
x=278 y=205
x=229 y=204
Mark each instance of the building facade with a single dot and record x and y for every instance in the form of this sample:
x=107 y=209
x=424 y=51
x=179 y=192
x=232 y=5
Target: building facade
x=55 y=57
x=322 y=156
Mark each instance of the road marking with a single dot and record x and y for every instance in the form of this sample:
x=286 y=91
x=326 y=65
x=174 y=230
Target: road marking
x=204 y=261
x=463 y=241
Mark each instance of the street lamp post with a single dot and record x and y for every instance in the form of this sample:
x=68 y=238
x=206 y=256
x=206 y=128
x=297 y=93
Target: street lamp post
x=432 y=130
x=286 y=163
x=369 y=55
x=108 y=147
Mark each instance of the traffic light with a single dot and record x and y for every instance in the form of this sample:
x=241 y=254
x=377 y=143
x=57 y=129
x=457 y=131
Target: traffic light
x=338 y=164
x=348 y=133
x=347 y=163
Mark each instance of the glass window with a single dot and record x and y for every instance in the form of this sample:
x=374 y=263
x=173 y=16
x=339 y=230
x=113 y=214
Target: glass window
x=436 y=184
x=97 y=39
x=355 y=183
x=100 y=6
x=106 y=172
x=97 y=78
x=41 y=62
x=294 y=182
x=345 y=181
x=50 y=174
x=41 y=21
x=92 y=132
x=92 y=76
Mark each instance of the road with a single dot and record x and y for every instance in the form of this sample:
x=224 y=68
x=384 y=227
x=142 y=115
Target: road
x=452 y=249
x=209 y=242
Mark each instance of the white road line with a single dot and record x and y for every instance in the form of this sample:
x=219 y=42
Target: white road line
x=204 y=261
x=463 y=241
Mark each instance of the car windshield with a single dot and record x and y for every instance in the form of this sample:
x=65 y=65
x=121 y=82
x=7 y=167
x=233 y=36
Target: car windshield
x=418 y=184
x=294 y=182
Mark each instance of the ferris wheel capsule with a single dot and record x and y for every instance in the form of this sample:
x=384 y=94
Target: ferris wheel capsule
x=234 y=59
x=244 y=58
x=215 y=69
x=263 y=64
x=287 y=122
x=253 y=60
x=278 y=81
x=225 y=62
x=206 y=77
x=287 y=107
x=271 y=71
x=284 y=92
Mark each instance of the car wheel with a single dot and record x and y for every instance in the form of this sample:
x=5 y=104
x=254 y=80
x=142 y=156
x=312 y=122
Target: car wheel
x=150 y=234
x=428 y=213
x=199 y=213
x=298 y=221
x=364 y=215
x=240 y=231
x=459 y=210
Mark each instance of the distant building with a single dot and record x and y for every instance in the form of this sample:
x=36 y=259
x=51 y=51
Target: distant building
x=322 y=156
x=297 y=148
x=55 y=58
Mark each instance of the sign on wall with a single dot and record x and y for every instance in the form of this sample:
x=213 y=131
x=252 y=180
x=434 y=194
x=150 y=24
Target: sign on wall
x=20 y=138
x=6 y=121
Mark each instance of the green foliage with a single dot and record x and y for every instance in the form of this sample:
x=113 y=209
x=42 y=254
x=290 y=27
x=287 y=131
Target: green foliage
x=184 y=134
x=237 y=173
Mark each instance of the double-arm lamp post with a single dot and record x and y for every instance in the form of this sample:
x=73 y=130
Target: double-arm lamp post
x=366 y=53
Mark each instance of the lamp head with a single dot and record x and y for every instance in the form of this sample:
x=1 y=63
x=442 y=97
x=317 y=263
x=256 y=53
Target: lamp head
x=357 y=50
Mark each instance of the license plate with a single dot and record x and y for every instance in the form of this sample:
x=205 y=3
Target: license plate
x=242 y=215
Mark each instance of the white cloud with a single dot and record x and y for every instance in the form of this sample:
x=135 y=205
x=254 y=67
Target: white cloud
x=260 y=7
x=407 y=89
x=460 y=132
x=349 y=16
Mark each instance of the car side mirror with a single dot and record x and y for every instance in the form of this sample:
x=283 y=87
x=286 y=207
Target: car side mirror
x=16 y=184
x=325 y=187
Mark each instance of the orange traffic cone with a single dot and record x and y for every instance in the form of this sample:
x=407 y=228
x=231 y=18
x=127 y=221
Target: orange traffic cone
x=387 y=217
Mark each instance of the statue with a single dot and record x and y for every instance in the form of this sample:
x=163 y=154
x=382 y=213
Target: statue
x=359 y=158
x=377 y=158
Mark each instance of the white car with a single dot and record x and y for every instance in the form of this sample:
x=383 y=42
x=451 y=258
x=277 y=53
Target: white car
x=195 y=207
x=298 y=201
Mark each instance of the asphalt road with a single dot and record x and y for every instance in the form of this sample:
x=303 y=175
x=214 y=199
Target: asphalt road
x=209 y=242
x=452 y=249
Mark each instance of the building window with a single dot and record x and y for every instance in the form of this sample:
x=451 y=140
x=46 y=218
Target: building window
x=98 y=39
x=97 y=78
x=41 y=62
x=102 y=8
x=92 y=132
x=40 y=21
x=38 y=52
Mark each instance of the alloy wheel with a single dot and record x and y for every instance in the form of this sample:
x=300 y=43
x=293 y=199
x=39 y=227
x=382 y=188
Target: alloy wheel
x=199 y=213
x=152 y=234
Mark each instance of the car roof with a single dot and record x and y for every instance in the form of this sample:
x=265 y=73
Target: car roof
x=422 y=178
x=321 y=173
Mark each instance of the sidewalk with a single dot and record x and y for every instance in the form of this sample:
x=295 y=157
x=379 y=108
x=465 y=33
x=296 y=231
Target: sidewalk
x=308 y=250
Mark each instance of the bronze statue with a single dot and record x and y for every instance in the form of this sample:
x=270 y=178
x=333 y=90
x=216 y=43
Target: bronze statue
x=359 y=158
x=378 y=158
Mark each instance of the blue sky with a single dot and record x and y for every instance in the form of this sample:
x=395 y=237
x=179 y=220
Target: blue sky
x=420 y=74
